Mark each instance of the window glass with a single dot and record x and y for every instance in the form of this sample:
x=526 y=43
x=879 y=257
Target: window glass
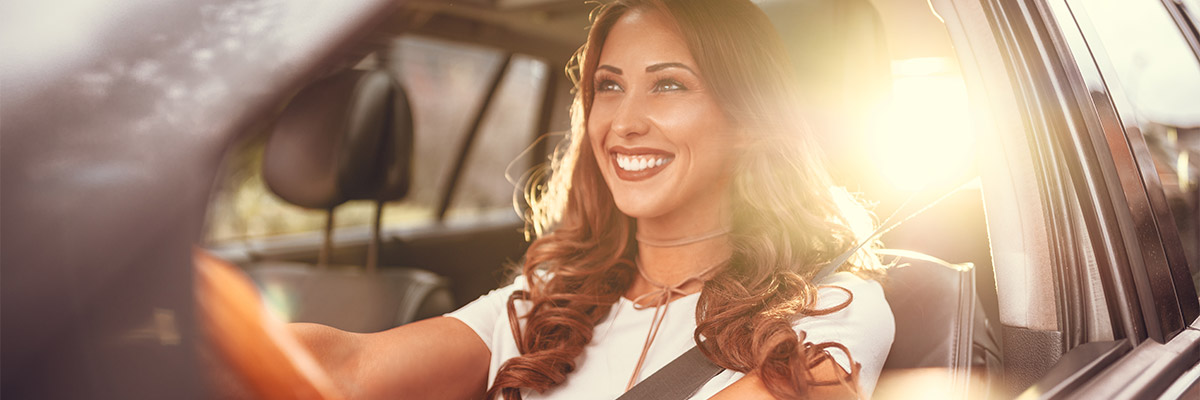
x=1160 y=75
x=1191 y=6
x=446 y=82
x=508 y=129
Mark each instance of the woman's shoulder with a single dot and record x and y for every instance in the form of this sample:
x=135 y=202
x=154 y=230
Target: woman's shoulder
x=865 y=326
x=842 y=286
x=483 y=313
x=863 y=300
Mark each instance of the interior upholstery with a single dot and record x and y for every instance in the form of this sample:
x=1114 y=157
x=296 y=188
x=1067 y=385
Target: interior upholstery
x=346 y=137
x=940 y=326
x=842 y=57
x=388 y=298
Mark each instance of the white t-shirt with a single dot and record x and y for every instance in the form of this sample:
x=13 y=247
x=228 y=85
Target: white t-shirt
x=865 y=327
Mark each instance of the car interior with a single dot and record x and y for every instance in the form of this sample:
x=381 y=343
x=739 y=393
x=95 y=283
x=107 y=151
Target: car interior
x=363 y=169
x=323 y=152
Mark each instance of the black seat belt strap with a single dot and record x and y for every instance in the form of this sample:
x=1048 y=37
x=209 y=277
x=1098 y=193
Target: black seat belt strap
x=678 y=380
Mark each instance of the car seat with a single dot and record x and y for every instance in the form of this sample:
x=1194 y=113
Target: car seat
x=943 y=337
x=942 y=334
x=346 y=137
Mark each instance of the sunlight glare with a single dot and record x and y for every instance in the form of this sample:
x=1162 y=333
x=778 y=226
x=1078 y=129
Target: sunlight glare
x=925 y=135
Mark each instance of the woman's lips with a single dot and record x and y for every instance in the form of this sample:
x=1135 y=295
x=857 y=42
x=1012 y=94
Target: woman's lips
x=638 y=164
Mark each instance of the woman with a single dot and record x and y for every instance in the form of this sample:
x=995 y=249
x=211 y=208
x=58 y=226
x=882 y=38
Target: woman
x=687 y=207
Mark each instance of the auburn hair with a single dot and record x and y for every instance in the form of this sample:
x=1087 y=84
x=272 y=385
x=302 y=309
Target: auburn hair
x=788 y=218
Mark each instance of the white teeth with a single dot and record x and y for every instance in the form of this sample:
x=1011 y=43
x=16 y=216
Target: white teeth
x=638 y=163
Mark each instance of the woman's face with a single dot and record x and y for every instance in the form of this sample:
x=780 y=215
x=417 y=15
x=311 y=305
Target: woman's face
x=663 y=144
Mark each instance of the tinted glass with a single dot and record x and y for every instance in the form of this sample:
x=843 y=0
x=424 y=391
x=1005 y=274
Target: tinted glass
x=1159 y=74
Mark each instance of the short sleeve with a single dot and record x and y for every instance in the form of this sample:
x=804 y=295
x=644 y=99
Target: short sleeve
x=482 y=314
x=865 y=327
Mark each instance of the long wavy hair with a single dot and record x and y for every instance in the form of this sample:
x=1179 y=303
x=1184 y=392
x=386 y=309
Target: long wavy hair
x=788 y=218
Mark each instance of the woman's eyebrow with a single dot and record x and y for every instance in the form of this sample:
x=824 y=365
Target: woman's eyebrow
x=662 y=66
x=614 y=70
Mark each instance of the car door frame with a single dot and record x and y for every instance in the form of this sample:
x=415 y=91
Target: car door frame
x=1093 y=170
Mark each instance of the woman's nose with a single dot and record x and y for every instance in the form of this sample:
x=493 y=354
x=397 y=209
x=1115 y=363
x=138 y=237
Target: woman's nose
x=630 y=116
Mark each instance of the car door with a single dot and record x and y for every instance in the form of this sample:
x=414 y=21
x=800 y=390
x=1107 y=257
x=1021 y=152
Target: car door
x=1090 y=192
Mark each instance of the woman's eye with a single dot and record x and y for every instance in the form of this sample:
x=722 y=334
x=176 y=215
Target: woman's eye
x=668 y=85
x=608 y=85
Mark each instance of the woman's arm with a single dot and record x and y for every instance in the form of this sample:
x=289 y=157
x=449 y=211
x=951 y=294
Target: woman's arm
x=438 y=358
x=751 y=387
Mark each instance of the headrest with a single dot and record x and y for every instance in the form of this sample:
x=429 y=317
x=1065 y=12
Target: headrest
x=841 y=57
x=346 y=137
x=838 y=48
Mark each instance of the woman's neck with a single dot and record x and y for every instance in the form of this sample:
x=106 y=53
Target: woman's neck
x=669 y=255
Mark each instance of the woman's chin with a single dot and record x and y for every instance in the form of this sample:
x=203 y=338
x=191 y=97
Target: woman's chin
x=639 y=208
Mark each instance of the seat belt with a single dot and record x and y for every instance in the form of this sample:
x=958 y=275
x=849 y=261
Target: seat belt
x=891 y=223
x=679 y=379
x=685 y=375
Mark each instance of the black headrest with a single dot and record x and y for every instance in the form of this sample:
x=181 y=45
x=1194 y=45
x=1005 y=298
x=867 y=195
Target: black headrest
x=346 y=137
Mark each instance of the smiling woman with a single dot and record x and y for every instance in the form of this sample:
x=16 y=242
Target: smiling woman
x=663 y=144
x=704 y=177
x=686 y=208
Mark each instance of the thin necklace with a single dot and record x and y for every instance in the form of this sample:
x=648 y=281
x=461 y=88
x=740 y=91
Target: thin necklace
x=664 y=293
x=645 y=241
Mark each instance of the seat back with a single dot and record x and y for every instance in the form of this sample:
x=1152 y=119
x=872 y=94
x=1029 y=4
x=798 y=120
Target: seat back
x=346 y=137
x=842 y=60
x=349 y=298
x=942 y=334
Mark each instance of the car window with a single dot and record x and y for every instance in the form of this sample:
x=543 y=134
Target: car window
x=1160 y=77
x=508 y=129
x=446 y=84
